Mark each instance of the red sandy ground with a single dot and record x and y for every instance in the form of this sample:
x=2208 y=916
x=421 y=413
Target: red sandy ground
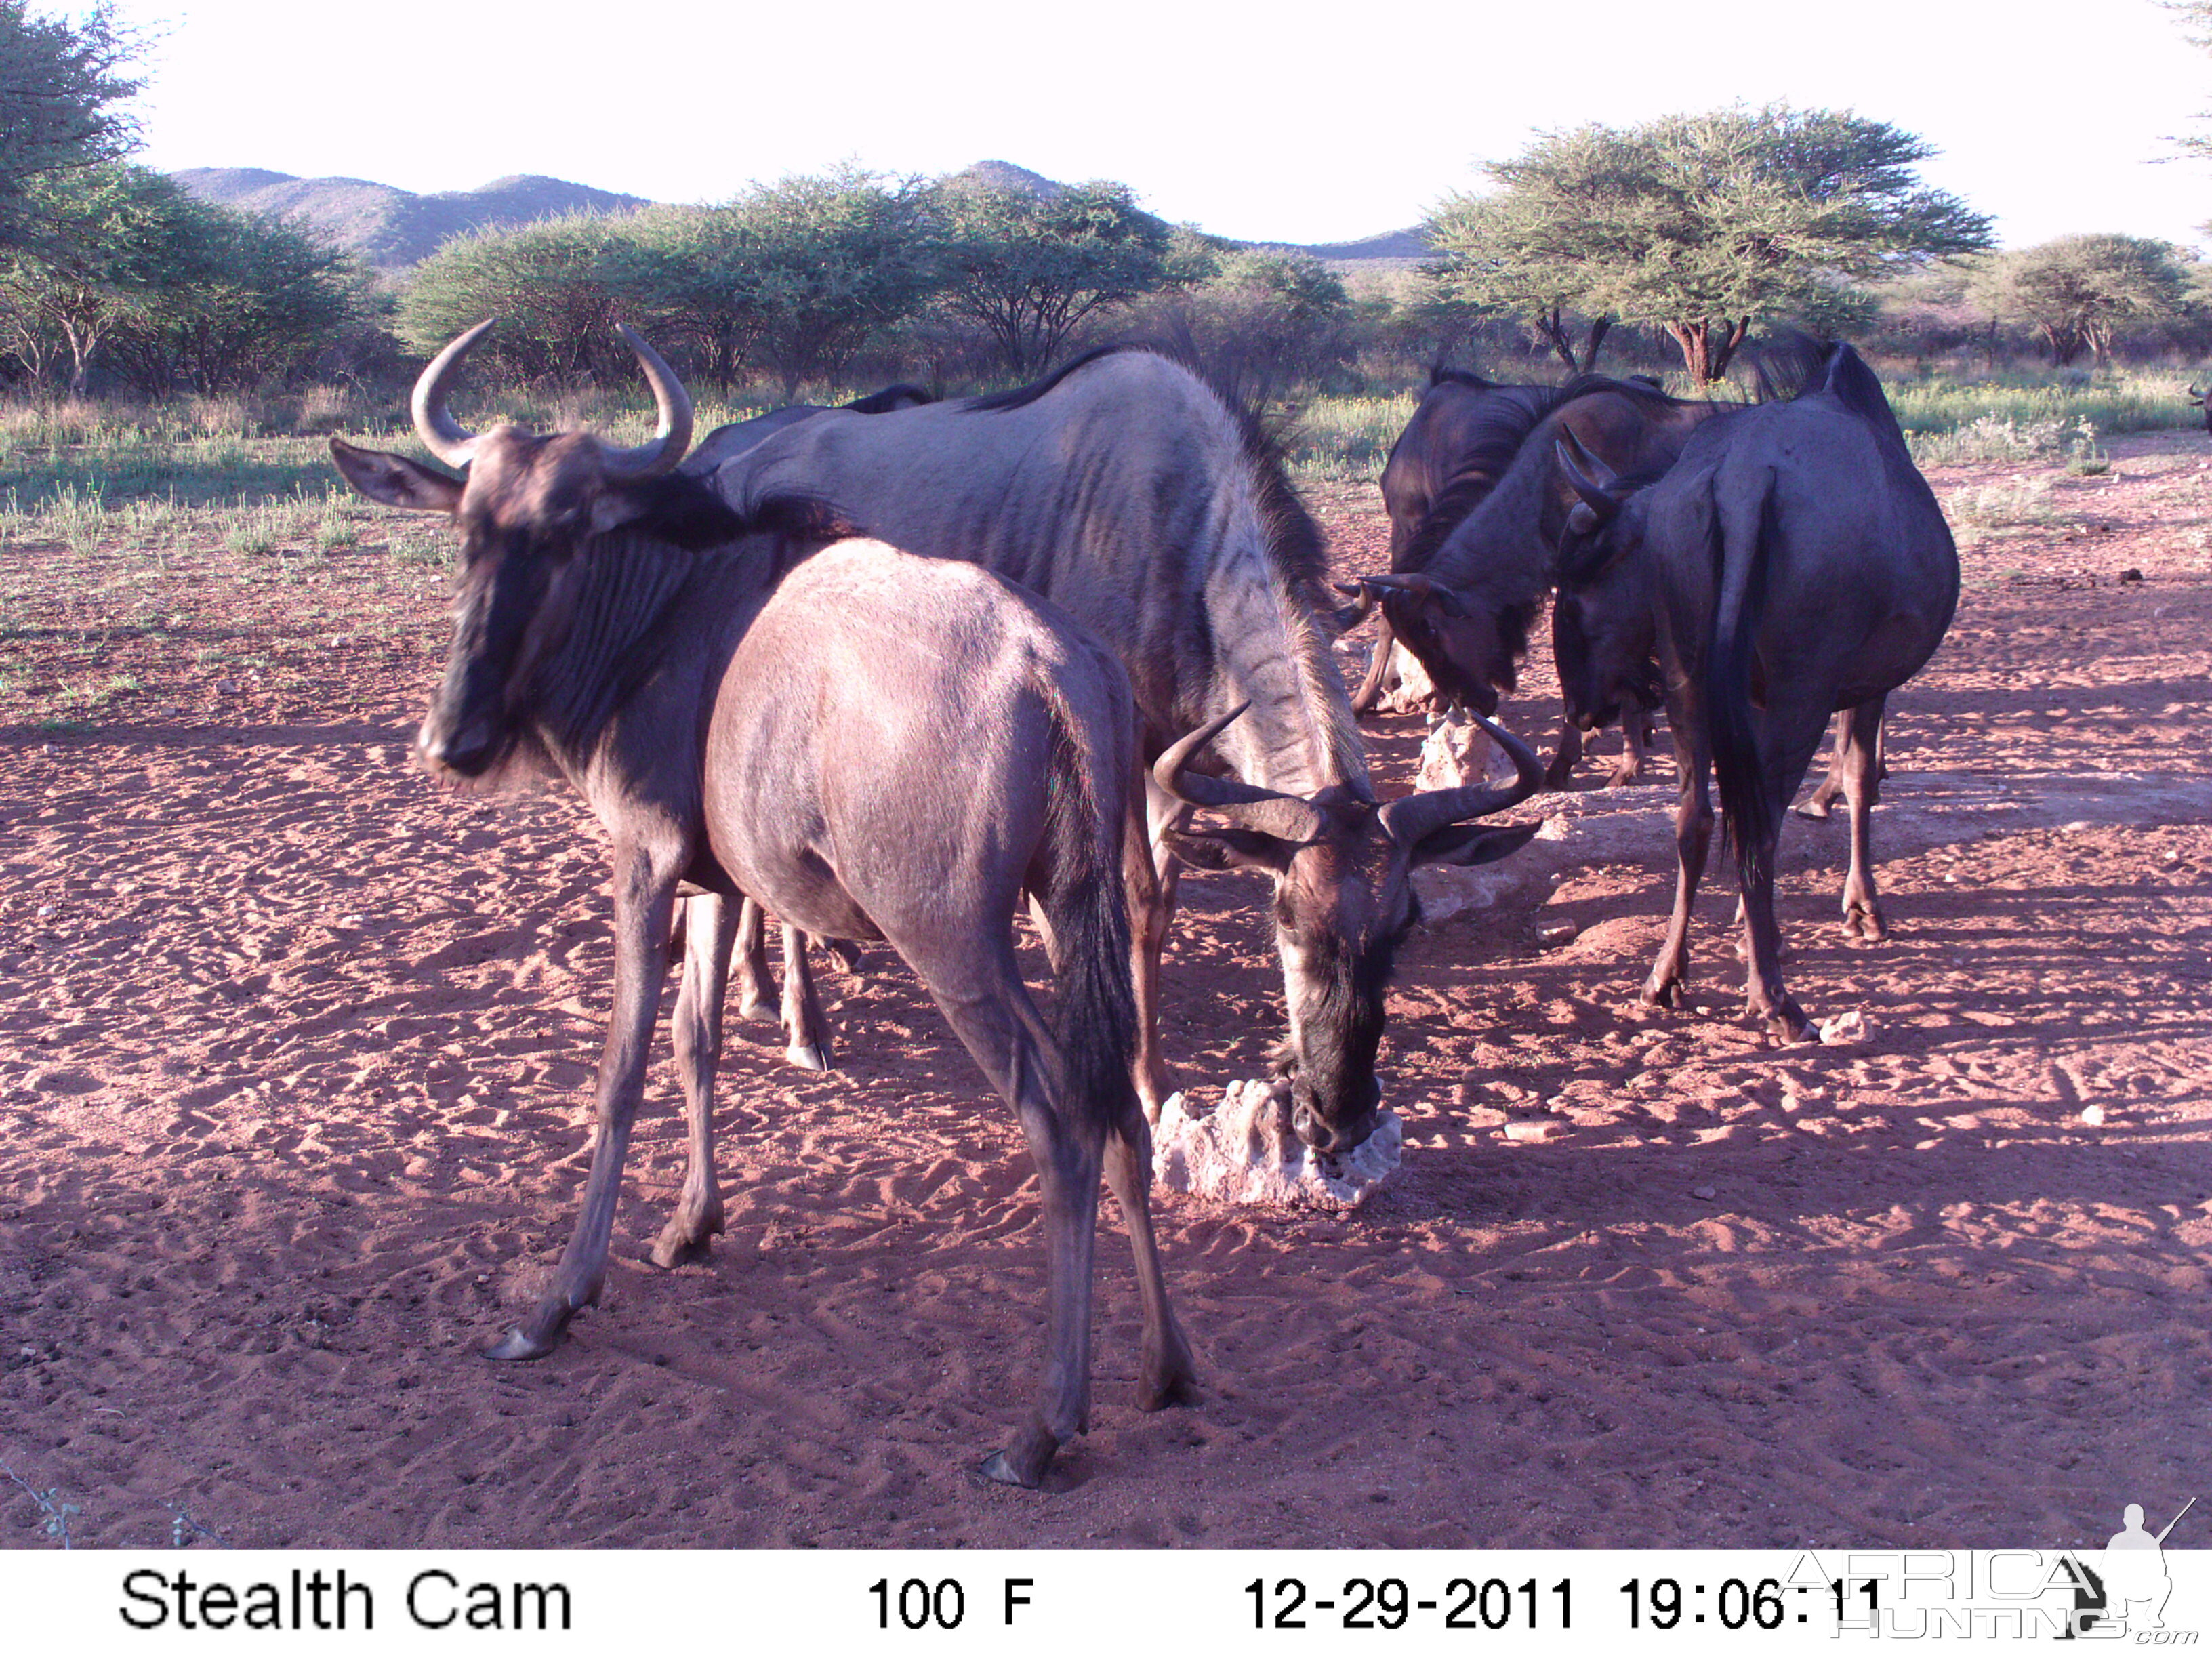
x=295 y=1052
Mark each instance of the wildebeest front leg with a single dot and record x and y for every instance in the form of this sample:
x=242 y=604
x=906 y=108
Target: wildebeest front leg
x=1167 y=1375
x=1636 y=735
x=806 y=1033
x=1858 y=734
x=645 y=900
x=1378 y=666
x=1561 y=771
x=1818 y=804
x=1151 y=872
x=698 y=1029
x=1151 y=903
x=750 y=954
x=1693 y=834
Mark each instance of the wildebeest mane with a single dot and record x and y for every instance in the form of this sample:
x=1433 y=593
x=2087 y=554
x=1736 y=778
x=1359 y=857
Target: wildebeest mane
x=1295 y=544
x=901 y=395
x=1440 y=375
x=1022 y=397
x=634 y=575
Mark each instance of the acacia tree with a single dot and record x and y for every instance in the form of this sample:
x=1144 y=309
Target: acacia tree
x=1521 y=250
x=1258 y=324
x=552 y=284
x=2078 y=291
x=821 y=264
x=113 y=239
x=1031 y=268
x=60 y=86
x=1703 y=225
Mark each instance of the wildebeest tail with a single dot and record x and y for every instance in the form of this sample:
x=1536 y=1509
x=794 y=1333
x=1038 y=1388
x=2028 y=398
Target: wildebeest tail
x=1740 y=576
x=1081 y=893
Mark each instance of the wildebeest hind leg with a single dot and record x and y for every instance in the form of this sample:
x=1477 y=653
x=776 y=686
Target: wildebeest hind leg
x=698 y=1032
x=1167 y=1375
x=645 y=902
x=995 y=1020
x=1859 y=733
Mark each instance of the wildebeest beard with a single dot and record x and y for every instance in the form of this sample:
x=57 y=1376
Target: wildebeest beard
x=1341 y=1020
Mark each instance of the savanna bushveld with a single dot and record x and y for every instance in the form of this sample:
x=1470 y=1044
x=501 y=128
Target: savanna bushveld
x=297 y=1038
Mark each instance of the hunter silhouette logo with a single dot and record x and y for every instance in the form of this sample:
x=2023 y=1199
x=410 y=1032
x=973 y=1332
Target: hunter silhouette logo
x=2127 y=1590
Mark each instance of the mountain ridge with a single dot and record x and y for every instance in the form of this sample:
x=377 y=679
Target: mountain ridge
x=393 y=230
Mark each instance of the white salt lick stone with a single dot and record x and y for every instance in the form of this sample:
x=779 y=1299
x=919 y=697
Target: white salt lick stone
x=1245 y=1152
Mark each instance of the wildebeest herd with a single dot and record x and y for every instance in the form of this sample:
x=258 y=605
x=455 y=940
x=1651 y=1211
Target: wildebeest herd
x=888 y=671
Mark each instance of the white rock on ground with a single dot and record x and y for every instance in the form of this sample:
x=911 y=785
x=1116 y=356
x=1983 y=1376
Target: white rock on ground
x=1457 y=753
x=1245 y=1152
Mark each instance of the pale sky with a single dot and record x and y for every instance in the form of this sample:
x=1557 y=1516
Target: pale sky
x=1287 y=122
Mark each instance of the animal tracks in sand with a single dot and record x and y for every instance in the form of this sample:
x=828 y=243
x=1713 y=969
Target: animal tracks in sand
x=295 y=1061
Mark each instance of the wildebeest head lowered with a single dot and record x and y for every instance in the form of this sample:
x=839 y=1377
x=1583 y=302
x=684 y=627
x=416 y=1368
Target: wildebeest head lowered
x=1343 y=901
x=528 y=503
x=1471 y=579
x=1124 y=489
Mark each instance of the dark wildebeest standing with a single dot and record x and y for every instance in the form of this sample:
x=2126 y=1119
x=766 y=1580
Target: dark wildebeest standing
x=797 y=742
x=1459 y=438
x=1476 y=569
x=1124 y=490
x=1792 y=563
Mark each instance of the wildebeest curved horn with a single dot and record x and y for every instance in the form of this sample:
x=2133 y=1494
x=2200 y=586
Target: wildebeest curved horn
x=1247 y=804
x=441 y=434
x=1422 y=587
x=1589 y=474
x=669 y=444
x=1407 y=820
x=1363 y=601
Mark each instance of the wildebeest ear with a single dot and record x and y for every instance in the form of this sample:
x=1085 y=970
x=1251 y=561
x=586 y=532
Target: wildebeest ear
x=1471 y=843
x=395 y=481
x=1232 y=849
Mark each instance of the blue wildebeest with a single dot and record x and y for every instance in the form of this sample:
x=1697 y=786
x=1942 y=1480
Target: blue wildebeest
x=1459 y=438
x=1473 y=571
x=749 y=710
x=1124 y=490
x=1791 y=564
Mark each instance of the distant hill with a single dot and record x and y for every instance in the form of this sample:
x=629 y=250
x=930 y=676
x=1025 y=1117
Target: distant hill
x=1005 y=175
x=392 y=228
x=1395 y=245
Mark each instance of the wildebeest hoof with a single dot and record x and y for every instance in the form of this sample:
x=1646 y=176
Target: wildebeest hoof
x=1625 y=776
x=757 y=1009
x=1788 y=1023
x=1661 y=994
x=1814 y=808
x=1024 y=1464
x=517 y=1345
x=1557 y=776
x=1179 y=1387
x=682 y=1242
x=1862 y=923
x=807 y=1057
